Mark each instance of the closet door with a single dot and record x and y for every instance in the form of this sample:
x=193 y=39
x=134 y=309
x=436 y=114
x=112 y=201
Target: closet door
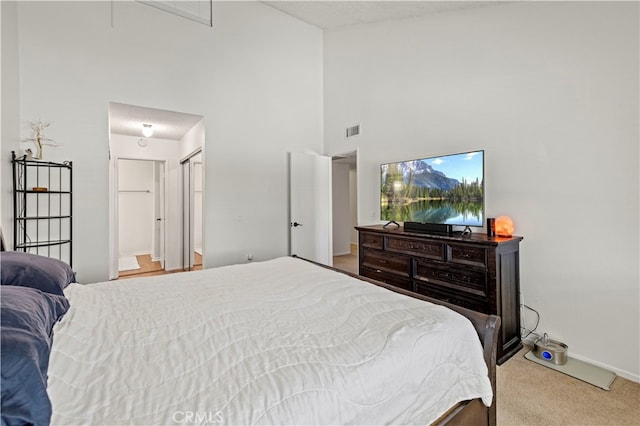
x=192 y=208
x=198 y=231
x=187 y=214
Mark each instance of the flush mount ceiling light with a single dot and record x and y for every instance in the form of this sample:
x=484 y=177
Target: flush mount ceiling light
x=147 y=130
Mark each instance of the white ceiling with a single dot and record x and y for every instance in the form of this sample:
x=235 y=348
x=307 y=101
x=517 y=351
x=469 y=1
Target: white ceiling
x=128 y=119
x=334 y=14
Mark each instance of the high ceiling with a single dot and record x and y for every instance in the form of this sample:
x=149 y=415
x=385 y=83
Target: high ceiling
x=128 y=119
x=327 y=15
x=335 y=14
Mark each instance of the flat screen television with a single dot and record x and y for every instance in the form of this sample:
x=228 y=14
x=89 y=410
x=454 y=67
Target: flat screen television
x=448 y=189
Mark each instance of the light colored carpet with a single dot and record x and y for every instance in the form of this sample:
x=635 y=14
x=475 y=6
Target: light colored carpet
x=128 y=263
x=347 y=262
x=531 y=394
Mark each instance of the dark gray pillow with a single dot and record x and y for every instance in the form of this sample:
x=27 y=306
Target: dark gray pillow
x=29 y=270
x=26 y=330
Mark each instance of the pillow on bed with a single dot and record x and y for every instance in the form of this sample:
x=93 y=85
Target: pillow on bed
x=27 y=317
x=29 y=270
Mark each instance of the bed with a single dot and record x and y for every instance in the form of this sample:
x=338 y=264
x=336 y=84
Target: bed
x=283 y=341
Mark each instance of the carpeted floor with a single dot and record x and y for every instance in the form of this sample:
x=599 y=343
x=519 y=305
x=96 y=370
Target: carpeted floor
x=531 y=394
x=347 y=262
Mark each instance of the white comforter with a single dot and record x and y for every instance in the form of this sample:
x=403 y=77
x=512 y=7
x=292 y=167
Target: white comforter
x=276 y=342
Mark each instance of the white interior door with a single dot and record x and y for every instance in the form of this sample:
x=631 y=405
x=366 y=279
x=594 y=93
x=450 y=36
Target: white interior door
x=310 y=211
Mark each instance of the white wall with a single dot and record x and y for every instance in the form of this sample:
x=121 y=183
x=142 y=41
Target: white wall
x=9 y=111
x=550 y=91
x=255 y=77
x=193 y=140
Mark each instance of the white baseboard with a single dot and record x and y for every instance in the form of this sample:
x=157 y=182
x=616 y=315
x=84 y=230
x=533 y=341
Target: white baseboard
x=529 y=341
x=625 y=374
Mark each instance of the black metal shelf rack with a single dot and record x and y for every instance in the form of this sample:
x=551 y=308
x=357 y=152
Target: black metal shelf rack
x=42 y=207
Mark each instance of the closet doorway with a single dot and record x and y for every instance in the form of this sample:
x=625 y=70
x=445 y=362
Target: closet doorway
x=141 y=216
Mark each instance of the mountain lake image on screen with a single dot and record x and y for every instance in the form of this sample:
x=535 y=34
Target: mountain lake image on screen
x=448 y=189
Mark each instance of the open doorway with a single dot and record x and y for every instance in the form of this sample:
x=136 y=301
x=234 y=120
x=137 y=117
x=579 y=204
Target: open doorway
x=160 y=139
x=141 y=216
x=345 y=211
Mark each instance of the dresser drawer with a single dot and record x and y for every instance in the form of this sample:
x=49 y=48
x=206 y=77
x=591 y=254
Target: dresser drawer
x=475 y=271
x=371 y=240
x=391 y=279
x=386 y=262
x=428 y=249
x=479 y=305
x=467 y=255
x=468 y=281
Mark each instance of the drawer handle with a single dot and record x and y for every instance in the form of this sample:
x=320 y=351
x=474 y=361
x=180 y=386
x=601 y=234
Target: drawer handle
x=378 y=271
x=382 y=261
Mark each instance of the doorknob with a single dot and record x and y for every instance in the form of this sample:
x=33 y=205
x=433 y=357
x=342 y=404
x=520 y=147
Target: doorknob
x=296 y=224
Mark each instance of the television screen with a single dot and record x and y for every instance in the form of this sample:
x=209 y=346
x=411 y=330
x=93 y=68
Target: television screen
x=445 y=190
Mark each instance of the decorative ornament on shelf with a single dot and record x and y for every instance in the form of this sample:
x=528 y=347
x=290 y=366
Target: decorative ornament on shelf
x=38 y=137
x=504 y=226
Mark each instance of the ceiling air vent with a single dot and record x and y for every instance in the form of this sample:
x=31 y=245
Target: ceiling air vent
x=353 y=130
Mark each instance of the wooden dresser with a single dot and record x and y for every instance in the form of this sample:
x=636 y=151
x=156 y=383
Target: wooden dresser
x=477 y=272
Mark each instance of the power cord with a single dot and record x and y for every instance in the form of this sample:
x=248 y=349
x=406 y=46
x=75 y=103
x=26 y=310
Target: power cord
x=524 y=329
